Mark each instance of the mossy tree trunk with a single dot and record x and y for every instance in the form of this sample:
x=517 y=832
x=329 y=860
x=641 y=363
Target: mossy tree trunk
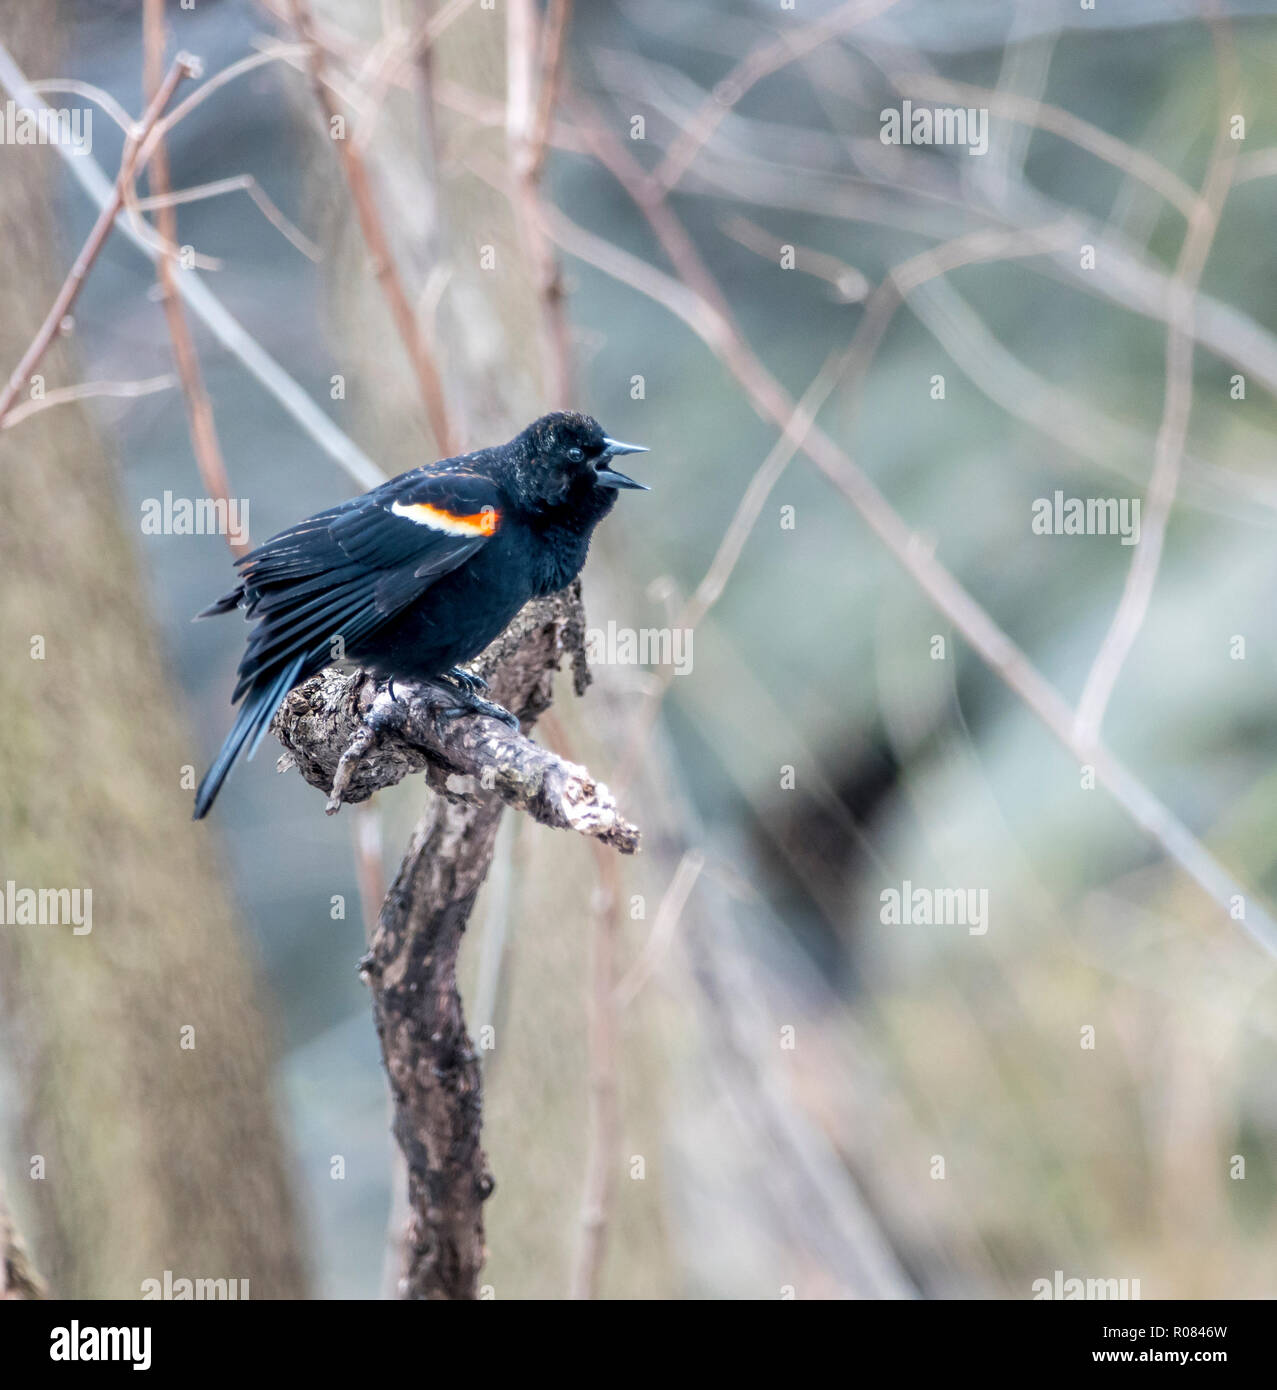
x=149 y=1140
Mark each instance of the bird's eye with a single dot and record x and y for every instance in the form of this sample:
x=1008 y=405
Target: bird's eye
x=576 y=454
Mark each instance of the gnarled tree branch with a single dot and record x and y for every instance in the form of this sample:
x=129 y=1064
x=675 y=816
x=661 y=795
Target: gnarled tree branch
x=348 y=737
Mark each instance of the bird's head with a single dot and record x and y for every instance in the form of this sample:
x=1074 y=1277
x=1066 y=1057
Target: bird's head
x=564 y=462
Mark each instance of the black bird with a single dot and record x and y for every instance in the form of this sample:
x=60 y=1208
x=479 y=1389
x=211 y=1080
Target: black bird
x=419 y=574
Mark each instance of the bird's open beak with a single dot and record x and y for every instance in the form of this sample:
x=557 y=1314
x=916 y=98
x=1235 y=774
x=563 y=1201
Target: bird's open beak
x=609 y=477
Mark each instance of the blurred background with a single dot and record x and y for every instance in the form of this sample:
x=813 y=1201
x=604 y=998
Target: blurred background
x=815 y=1100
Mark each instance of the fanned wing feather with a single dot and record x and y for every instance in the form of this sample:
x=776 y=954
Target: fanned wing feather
x=346 y=571
x=341 y=574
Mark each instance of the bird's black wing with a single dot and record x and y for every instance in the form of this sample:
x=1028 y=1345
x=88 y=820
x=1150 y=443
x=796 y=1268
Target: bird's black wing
x=340 y=575
x=344 y=573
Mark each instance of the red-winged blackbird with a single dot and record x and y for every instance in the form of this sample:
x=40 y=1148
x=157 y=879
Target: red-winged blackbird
x=419 y=574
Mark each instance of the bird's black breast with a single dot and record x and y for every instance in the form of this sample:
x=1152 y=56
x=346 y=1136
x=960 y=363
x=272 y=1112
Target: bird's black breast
x=560 y=545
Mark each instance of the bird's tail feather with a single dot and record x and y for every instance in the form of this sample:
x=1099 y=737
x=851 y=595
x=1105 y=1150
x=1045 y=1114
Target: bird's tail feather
x=249 y=727
x=228 y=603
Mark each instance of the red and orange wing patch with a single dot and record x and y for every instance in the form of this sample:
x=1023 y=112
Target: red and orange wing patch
x=480 y=523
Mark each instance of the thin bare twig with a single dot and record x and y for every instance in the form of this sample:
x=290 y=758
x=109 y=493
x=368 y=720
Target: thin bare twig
x=370 y=869
x=61 y=395
x=420 y=353
x=849 y=363
x=529 y=112
x=206 y=89
x=1029 y=111
x=1168 y=452
x=550 y=64
x=767 y=58
x=849 y=284
x=391 y=65
x=199 y=408
x=1260 y=165
x=695 y=298
x=205 y=305
x=117 y=113
x=100 y=98
x=1070 y=419
x=1119 y=277
x=184 y=66
x=658 y=943
x=739 y=529
x=234 y=184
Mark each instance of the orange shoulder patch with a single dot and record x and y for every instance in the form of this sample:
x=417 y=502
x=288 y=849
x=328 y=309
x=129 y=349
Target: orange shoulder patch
x=482 y=523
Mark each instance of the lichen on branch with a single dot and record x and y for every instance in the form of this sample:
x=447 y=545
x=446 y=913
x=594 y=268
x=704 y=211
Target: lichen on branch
x=348 y=735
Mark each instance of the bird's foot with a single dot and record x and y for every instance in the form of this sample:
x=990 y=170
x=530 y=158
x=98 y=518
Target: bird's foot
x=476 y=704
x=394 y=707
x=467 y=680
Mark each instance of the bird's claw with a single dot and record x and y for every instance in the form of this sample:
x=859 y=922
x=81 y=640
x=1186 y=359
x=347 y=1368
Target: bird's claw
x=467 y=686
x=467 y=680
x=477 y=705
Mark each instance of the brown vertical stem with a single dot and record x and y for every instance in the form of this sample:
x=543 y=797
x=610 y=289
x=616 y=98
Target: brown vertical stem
x=199 y=409
x=422 y=358
x=532 y=49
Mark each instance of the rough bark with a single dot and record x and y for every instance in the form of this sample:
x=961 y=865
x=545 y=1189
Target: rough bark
x=431 y=1063
x=347 y=733
x=430 y=1060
